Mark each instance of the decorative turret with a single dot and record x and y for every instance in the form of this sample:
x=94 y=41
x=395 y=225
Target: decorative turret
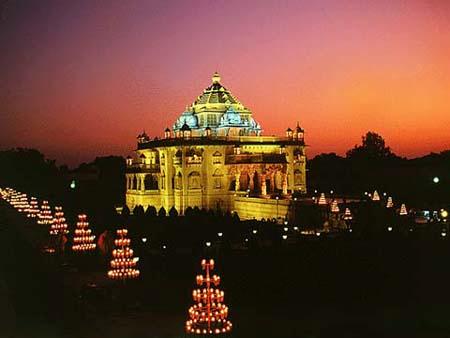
x=143 y=138
x=299 y=133
x=289 y=133
x=167 y=133
x=186 y=130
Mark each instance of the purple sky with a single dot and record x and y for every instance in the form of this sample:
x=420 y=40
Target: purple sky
x=83 y=78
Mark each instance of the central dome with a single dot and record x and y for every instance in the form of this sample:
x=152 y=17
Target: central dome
x=217 y=108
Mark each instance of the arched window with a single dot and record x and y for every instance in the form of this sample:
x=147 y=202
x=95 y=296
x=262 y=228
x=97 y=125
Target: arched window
x=150 y=182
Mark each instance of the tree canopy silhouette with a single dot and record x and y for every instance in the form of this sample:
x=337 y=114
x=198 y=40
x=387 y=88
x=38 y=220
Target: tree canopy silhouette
x=373 y=147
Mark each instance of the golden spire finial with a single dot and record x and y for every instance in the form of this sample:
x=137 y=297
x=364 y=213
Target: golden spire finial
x=216 y=78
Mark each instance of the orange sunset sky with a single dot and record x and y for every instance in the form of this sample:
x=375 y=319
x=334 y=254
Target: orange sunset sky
x=81 y=79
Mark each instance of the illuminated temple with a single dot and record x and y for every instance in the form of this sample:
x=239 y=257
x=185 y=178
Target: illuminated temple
x=215 y=157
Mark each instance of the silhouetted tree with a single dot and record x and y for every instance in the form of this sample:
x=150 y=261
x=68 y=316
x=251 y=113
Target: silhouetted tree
x=189 y=212
x=151 y=211
x=138 y=211
x=196 y=211
x=373 y=148
x=173 y=212
x=162 y=212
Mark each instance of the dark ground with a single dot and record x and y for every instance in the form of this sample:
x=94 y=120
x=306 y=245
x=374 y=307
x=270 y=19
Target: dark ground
x=342 y=287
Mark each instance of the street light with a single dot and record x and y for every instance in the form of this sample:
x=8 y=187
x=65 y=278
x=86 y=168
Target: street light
x=435 y=179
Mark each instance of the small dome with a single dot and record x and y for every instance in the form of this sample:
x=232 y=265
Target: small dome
x=208 y=128
x=142 y=156
x=289 y=129
x=167 y=129
x=129 y=157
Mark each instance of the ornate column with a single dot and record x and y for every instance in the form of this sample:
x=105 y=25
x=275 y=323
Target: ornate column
x=238 y=178
x=272 y=181
x=263 y=185
x=251 y=183
x=285 y=184
x=142 y=183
